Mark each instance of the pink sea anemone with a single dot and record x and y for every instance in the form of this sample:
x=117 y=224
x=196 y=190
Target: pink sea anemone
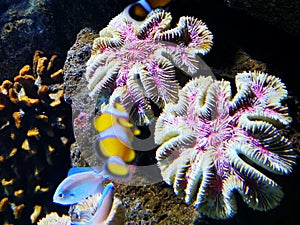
x=140 y=58
x=213 y=144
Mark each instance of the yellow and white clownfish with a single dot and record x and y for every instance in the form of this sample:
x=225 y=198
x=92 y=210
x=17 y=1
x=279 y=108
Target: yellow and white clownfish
x=140 y=9
x=114 y=138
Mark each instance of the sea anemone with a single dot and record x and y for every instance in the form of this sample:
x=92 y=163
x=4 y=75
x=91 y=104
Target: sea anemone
x=140 y=59
x=213 y=144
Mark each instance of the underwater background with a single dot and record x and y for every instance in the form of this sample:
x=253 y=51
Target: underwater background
x=35 y=144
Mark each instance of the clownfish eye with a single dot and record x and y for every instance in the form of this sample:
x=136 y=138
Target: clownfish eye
x=61 y=195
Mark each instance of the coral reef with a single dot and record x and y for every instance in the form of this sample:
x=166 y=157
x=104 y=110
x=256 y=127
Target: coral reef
x=35 y=139
x=142 y=203
x=140 y=60
x=75 y=66
x=54 y=219
x=213 y=144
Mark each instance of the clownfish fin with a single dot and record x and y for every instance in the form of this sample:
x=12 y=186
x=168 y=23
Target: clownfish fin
x=158 y=3
x=136 y=131
x=140 y=9
x=116 y=168
x=124 y=122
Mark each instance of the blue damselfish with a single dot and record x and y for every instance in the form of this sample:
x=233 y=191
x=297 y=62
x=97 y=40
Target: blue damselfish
x=83 y=182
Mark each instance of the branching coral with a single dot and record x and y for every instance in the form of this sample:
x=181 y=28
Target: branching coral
x=35 y=138
x=54 y=219
x=140 y=59
x=213 y=144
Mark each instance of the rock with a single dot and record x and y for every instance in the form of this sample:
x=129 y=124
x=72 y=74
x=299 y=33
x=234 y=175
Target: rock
x=240 y=61
x=49 y=25
x=24 y=27
x=75 y=66
x=283 y=14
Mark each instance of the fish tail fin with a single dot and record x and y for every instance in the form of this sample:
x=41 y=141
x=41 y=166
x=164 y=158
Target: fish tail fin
x=117 y=169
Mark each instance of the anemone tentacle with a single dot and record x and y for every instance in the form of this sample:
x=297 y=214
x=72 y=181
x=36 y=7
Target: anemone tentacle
x=213 y=144
x=151 y=49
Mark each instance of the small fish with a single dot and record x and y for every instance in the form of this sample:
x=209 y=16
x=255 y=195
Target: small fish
x=104 y=206
x=83 y=182
x=140 y=9
x=93 y=211
x=80 y=183
x=115 y=134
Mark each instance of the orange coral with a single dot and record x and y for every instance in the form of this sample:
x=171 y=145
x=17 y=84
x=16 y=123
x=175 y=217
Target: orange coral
x=35 y=138
x=18 y=209
x=3 y=204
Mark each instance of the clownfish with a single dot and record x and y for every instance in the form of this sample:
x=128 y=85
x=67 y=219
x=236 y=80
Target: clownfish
x=140 y=9
x=115 y=135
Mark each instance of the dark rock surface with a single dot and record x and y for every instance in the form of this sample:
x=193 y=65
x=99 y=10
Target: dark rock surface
x=48 y=25
x=281 y=13
x=24 y=27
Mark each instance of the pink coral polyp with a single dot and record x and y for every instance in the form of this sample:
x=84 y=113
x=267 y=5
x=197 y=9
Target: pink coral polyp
x=213 y=144
x=142 y=56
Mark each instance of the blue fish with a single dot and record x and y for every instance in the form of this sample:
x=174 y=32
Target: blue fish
x=80 y=183
x=83 y=182
x=104 y=207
